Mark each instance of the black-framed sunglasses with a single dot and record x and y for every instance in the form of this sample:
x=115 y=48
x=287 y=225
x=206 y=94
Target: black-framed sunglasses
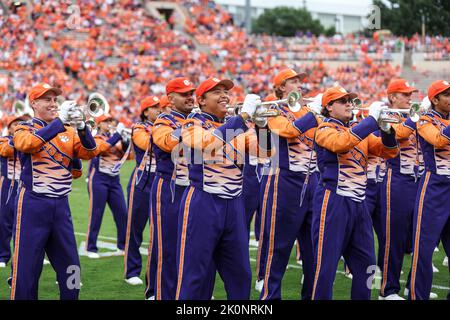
x=342 y=100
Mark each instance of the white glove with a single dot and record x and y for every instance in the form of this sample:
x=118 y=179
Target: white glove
x=316 y=108
x=65 y=110
x=120 y=128
x=376 y=108
x=251 y=101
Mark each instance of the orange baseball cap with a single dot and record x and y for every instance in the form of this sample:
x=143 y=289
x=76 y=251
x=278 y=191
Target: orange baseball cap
x=400 y=85
x=164 y=102
x=41 y=89
x=437 y=87
x=336 y=93
x=148 y=102
x=211 y=83
x=180 y=85
x=270 y=97
x=287 y=74
x=11 y=119
x=103 y=117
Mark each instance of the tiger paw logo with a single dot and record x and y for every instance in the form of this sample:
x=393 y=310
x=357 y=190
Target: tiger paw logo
x=64 y=138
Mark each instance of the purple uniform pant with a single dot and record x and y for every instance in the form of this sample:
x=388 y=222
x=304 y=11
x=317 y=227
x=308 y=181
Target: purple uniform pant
x=6 y=217
x=250 y=194
x=373 y=202
x=212 y=231
x=104 y=189
x=341 y=226
x=150 y=271
x=43 y=225
x=138 y=217
x=431 y=222
x=286 y=221
x=165 y=227
x=398 y=197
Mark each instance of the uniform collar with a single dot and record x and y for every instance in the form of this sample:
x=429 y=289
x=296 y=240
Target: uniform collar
x=40 y=122
x=211 y=117
x=334 y=120
x=440 y=115
x=178 y=114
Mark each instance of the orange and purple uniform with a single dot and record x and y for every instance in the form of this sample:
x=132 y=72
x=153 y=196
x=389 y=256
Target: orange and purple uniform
x=397 y=199
x=171 y=179
x=431 y=214
x=139 y=187
x=9 y=181
x=341 y=223
x=286 y=201
x=104 y=188
x=212 y=228
x=43 y=222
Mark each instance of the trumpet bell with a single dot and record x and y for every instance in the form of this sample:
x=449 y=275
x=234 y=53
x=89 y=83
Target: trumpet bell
x=97 y=105
x=293 y=99
x=19 y=108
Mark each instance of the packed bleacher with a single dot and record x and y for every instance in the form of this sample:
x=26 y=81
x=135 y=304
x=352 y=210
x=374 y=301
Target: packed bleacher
x=119 y=49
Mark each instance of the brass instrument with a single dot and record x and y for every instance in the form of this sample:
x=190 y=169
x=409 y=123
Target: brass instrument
x=19 y=108
x=268 y=109
x=96 y=106
x=395 y=115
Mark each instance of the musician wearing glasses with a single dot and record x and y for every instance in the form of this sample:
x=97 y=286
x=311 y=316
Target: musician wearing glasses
x=341 y=224
x=287 y=190
x=43 y=224
x=139 y=187
x=431 y=214
x=104 y=184
x=398 y=194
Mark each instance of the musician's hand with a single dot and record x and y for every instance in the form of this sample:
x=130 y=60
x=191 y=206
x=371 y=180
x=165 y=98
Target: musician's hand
x=376 y=108
x=251 y=101
x=66 y=109
x=120 y=128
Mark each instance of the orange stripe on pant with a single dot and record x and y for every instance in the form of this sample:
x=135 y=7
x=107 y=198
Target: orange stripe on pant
x=159 y=232
x=323 y=216
x=150 y=249
x=263 y=222
x=1 y=184
x=130 y=217
x=417 y=237
x=388 y=231
x=183 y=240
x=16 y=243
x=271 y=235
x=91 y=204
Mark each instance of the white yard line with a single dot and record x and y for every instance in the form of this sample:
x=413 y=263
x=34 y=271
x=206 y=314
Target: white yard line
x=144 y=251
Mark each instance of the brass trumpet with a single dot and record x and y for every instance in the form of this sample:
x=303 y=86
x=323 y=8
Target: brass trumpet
x=268 y=109
x=96 y=106
x=395 y=115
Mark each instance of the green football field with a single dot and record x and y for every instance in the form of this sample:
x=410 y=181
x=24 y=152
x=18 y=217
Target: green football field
x=103 y=278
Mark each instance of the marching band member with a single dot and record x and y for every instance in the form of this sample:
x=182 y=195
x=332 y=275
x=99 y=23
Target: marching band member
x=139 y=187
x=10 y=174
x=431 y=214
x=341 y=224
x=43 y=222
x=171 y=179
x=104 y=185
x=398 y=194
x=212 y=226
x=285 y=215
